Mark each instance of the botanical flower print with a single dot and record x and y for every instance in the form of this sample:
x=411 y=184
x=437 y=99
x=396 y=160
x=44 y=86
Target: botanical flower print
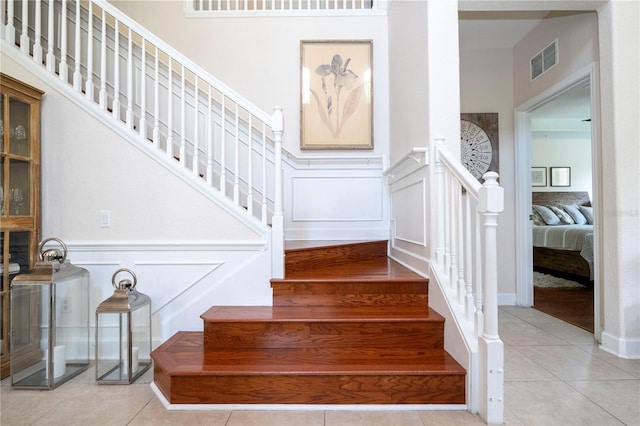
x=333 y=114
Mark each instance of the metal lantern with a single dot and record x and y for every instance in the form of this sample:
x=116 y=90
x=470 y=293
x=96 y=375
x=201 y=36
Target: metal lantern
x=123 y=333
x=49 y=321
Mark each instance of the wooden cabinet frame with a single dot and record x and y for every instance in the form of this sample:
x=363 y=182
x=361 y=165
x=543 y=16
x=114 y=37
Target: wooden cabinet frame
x=20 y=117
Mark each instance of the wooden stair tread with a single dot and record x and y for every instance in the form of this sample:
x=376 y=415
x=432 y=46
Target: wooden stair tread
x=377 y=269
x=184 y=354
x=320 y=314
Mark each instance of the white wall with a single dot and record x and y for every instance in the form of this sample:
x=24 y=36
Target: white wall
x=577 y=36
x=620 y=175
x=260 y=57
x=486 y=85
x=557 y=150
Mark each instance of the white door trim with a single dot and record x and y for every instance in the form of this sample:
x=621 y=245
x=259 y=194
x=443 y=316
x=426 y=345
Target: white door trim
x=524 y=243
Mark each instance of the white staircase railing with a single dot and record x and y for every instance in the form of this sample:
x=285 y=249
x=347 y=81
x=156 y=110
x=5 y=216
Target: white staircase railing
x=458 y=253
x=466 y=262
x=199 y=124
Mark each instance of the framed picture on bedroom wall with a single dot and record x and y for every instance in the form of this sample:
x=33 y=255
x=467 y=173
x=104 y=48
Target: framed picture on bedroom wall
x=560 y=176
x=538 y=176
x=336 y=99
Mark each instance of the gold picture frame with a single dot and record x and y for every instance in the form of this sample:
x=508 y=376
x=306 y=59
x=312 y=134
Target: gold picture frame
x=336 y=94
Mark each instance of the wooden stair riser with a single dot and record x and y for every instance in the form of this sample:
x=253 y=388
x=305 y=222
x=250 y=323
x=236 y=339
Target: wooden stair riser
x=320 y=257
x=410 y=335
x=316 y=389
x=291 y=293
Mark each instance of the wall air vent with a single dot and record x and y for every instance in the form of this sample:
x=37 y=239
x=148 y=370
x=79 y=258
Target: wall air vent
x=546 y=59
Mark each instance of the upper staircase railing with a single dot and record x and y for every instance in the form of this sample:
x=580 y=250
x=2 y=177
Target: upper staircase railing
x=220 y=8
x=193 y=121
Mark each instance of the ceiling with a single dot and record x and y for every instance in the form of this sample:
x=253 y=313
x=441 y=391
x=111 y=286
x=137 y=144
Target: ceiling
x=497 y=30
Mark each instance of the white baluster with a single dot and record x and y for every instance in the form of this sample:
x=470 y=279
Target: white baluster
x=196 y=128
x=51 y=57
x=37 y=45
x=209 y=138
x=143 y=90
x=103 y=62
x=250 y=167
x=183 y=129
x=129 y=113
x=24 y=34
x=277 y=233
x=116 y=72
x=156 y=100
x=10 y=30
x=468 y=264
x=89 y=88
x=478 y=296
x=264 y=173
x=439 y=208
x=223 y=147
x=170 y=109
x=3 y=10
x=63 y=70
x=77 y=76
x=236 y=159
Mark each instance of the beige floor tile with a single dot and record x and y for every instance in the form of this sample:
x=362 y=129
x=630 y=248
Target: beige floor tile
x=276 y=418
x=572 y=363
x=553 y=403
x=621 y=398
x=519 y=368
x=526 y=314
x=99 y=405
x=631 y=366
x=372 y=418
x=450 y=418
x=154 y=414
x=523 y=333
x=567 y=332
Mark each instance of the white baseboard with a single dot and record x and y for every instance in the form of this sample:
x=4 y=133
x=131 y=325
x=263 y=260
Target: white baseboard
x=624 y=348
x=506 y=299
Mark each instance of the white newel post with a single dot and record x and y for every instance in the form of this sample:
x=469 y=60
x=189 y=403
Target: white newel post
x=490 y=347
x=277 y=225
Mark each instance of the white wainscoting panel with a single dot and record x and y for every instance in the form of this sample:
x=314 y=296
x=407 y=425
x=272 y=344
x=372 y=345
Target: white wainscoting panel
x=335 y=198
x=408 y=187
x=182 y=279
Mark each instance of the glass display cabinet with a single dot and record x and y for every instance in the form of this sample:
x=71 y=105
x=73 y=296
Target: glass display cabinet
x=19 y=196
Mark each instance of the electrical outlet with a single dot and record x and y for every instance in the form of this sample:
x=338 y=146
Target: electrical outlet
x=66 y=305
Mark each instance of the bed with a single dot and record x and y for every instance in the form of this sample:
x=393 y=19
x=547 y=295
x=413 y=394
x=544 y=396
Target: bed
x=563 y=243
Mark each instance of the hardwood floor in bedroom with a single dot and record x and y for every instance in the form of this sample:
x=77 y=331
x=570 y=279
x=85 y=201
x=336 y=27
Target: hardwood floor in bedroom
x=573 y=305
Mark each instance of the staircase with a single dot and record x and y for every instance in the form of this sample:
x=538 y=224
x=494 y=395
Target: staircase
x=348 y=325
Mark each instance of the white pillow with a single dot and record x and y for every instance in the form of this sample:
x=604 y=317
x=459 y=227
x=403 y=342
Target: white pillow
x=588 y=213
x=548 y=216
x=564 y=217
x=574 y=212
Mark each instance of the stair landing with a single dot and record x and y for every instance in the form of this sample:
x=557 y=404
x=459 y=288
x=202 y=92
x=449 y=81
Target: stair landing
x=340 y=332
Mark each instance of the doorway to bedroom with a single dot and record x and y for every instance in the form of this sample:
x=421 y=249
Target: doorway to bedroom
x=557 y=132
x=561 y=190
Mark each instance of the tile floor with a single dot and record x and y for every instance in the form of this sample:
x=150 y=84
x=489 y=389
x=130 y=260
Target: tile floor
x=554 y=375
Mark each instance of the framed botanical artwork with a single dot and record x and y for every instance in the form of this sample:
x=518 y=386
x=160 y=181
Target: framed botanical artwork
x=336 y=98
x=560 y=176
x=538 y=176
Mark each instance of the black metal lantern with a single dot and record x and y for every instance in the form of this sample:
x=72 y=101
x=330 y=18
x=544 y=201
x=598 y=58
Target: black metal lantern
x=123 y=333
x=49 y=321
